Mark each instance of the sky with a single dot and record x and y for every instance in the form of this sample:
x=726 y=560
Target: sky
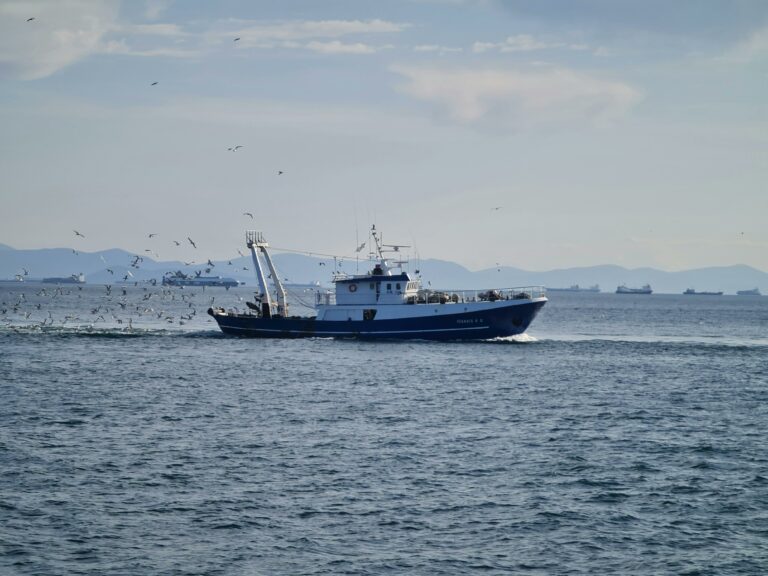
x=538 y=134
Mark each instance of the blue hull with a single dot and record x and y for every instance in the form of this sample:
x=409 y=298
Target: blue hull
x=477 y=325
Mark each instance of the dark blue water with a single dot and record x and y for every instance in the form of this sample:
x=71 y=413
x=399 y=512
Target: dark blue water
x=622 y=435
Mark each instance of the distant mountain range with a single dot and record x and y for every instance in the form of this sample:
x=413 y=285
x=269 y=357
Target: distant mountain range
x=115 y=266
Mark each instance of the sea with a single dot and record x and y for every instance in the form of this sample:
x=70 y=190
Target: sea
x=622 y=434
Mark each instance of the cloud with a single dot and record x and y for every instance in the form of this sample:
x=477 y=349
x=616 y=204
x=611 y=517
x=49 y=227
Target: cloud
x=518 y=97
x=63 y=32
x=155 y=8
x=121 y=48
x=523 y=43
x=436 y=48
x=166 y=30
x=336 y=47
x=276 y=34
x=755 y=47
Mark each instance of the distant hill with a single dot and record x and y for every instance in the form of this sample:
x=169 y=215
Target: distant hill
x=300 y=269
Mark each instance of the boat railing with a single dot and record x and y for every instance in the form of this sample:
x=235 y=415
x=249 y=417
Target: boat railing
x=431 y=296
x=442 y=296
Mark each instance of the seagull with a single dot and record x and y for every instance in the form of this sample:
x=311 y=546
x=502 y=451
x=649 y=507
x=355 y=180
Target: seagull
x=78 y=234
x=279 y=172
x=153 y=234
x=154 y=84
x=191 y=242
x=177 y=243
x=248 y=214
x=211 y=264
x=238 y=251
x=236 y=39
x=30 y=20
x=497 y=208
x=360 y=247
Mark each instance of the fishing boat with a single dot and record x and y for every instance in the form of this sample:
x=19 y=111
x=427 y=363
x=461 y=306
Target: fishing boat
x=386 y=302
x=623 y=289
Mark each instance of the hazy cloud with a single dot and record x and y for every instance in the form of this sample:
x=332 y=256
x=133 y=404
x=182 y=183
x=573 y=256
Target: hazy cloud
x=755 y=47
x=155 y=8
x=260 y=35
x=518 y=96
x=63 y=32
x=435 y=48
x=167 y=30
x=121 y=47
x=336 y=47
x=524 y=43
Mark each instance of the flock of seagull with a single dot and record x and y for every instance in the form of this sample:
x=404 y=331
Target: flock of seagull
x=70 y=307
x=117 y=307
x=173 y=305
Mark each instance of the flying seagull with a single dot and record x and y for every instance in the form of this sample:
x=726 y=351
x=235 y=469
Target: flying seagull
x=248 y=214
x=30 y=19
x=191 y=242
x=177 y=243
x=279 y=172
x=78 y=234
x=153 y=234
x=236 y=39
x=154 y=84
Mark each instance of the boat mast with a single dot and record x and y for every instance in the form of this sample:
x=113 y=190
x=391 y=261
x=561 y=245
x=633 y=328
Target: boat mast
x=252 y=239
x=256 y=240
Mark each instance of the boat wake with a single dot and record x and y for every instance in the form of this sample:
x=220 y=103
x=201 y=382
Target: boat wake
x=516 y=339
x=106 y=332
x=716 y=341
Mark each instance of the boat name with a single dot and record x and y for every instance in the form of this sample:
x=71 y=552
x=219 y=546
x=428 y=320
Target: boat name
x=470 y=321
